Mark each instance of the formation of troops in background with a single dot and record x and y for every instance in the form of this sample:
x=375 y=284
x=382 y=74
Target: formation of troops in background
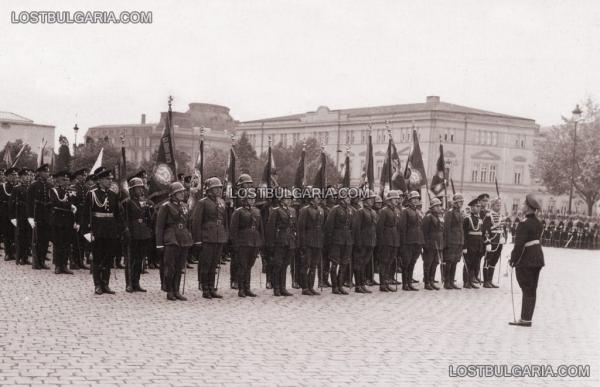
x=326 y=238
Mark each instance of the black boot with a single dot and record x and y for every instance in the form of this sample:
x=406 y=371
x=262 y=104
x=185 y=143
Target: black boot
x=206 y=292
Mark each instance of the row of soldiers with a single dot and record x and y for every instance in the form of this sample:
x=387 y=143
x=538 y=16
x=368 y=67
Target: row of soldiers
x=574 y=231
x=344 y=239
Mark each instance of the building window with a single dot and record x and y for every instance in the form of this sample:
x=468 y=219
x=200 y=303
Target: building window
x=483 y=173
x=518 y=175
x=492 y=173
x=475 y=172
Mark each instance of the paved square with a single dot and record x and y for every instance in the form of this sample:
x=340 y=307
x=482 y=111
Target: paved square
x=54 y=331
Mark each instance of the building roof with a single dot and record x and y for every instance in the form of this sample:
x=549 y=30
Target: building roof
x=433 y=103
x=12 y=117
x=123 y=126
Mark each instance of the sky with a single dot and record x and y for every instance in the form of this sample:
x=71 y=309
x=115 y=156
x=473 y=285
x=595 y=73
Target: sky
x=535 y=59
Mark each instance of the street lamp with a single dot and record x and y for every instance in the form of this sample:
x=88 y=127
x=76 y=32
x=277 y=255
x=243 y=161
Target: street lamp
x=76 y=129
x=576 y=116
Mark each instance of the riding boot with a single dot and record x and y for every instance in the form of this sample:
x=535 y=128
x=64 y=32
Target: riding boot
x=527 y=308
x=282 y=283
x=340 y=281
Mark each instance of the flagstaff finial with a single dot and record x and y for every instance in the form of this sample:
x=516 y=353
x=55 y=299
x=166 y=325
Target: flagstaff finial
x=270 y=140
x=202 y=132
x=304 y=144
x=232 y=138
x=170 y=102
x=389 y=130
x=370 y=127
x=347 y=150
x=123 y=138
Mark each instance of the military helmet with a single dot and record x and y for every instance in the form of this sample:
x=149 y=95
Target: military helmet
x=370 y=195
x=435 y=202
x=135 y=182
x=378 y=199
x=213 y=182
x=413 y=195
x=244 y=178
x=175 y=187
x=458 y=198
x=393 y=194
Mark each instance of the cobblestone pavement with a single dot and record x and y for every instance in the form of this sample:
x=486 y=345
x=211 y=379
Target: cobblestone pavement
x=54 y=331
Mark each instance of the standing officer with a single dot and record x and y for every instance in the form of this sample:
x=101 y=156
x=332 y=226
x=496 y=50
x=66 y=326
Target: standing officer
x=7 y=229
x=209 y=235
x=364 y=229
x=138 y=216
x=102 y=225
x=62 y=221
x=338 y=234
x=38 y=215
x=473 y=247
x=81 y=244
x=528 y=259
x=388 y=240
x=282 y=238
x=494 y=234
x=311 y=222
x=174 y=239
x=246 y=237
x=243 y=182
x=412 y=239
x=374 y=266
x=324 y=269
x=18 y=213
x=433 y=235
x=453 y=240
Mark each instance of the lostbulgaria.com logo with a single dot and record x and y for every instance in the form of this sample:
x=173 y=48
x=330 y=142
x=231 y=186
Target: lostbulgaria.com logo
x=81 y=17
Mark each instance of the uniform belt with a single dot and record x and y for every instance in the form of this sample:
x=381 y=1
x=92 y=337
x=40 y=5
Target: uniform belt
x=532 y=243
x=62 y=209
x=102 y=215
x=474 y=233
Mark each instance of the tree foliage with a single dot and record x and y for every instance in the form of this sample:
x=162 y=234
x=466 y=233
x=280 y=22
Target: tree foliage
x=554 y=157
x=28 y=158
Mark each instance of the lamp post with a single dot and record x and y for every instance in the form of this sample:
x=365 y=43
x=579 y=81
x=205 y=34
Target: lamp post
x=76 y=129
x=576 y=116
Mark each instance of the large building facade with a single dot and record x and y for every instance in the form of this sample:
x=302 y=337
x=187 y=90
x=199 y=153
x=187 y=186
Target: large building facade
x=479 y=146
x=14 y=127
x=142 y=139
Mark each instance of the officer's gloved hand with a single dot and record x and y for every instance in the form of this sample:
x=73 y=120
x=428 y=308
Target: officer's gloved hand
x=14 y=222
x=76 y=227
x=73 y=209
x=464 y=251
x=488 y=248
x=511 y=263
x=31 y=222
x=88 y=237
x=160 y=253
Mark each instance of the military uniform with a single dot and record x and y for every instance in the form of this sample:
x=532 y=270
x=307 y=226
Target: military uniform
x=494 y=235
x=528 y=259
x=173 y=235
x=82 y=245
x=338 y=233
x=282 y=239
x=7 y=229
x=475 y=250
x=38 y=209
x=326 y=265
x=311 y=222
x=62 y=222
x=412 y=243
x=138 y=216
x=388 y=244
x=209 y=232
x=17 y=210
x=433 y=236
x=247 y=236
x=453 y=245
x=364 y=229
x=102 y=218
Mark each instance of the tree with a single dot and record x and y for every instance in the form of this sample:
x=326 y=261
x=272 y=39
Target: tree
x=554 y=157
x=246 y=155
x=28 y=158
x=63 y=160
x=86 y=156
x=215 y=162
